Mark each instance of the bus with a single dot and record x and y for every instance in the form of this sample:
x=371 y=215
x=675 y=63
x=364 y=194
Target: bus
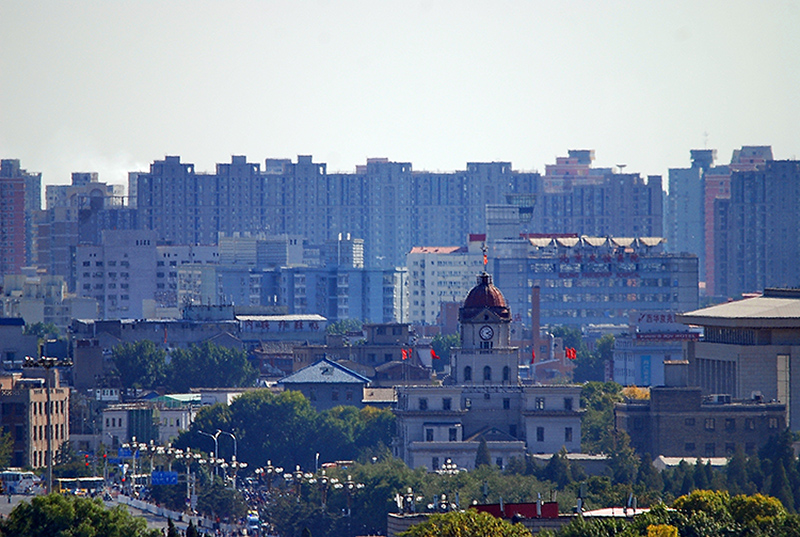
x=80 y=486
x=15 y=481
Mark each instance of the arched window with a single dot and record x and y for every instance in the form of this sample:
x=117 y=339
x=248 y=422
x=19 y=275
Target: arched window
x=467 y=373
x=505 y=374
x=487 y=373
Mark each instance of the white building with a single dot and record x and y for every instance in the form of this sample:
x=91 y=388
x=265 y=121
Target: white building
x=438 y=274
x=132 y=277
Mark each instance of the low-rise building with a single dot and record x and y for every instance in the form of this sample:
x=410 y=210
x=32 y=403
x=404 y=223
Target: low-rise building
x=327 y=384
x=23 y=414
x=678 y=421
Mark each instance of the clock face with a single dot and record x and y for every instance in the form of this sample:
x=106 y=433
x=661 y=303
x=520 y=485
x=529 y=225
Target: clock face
x=486 y=332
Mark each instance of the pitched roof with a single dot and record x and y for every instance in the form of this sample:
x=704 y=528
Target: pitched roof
x=324 y=372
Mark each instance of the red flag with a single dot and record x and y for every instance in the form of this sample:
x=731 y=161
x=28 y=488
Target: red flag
x=433 y=355
x=533 y=355
x=572 y=354
x=485 y=260
x=405 y=355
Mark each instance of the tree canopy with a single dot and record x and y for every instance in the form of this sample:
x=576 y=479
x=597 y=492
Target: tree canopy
x=144 y=365
x=70 y=516
x=463 y=523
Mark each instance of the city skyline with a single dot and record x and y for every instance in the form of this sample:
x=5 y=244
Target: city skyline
x=111 y=88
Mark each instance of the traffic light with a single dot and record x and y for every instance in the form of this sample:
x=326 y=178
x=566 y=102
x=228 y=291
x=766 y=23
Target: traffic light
x=86 y=460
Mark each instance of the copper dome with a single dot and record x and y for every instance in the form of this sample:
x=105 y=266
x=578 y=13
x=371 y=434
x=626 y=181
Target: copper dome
x=484 y=296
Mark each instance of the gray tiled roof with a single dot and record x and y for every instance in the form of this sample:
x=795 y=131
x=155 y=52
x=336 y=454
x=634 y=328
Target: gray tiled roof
x=324 y=372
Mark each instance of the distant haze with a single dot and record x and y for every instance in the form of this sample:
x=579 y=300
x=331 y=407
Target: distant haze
x=110 y=86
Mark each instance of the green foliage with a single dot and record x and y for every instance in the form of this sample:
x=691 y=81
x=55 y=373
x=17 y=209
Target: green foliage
x=140 y=364
x=208 y=365
x=483 y=457
x=286 y=429
x=441 y=345
x=222 y=501
x=6 y=448
x=172 y=531
x=170 y=496
x=68 y=516
x=597 y=421
x=191 y=530
x=42 y=330
x=340 y=328
x=463 y=523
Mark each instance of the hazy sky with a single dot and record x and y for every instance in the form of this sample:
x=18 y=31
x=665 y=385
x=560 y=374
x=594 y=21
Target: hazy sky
x=110 y=86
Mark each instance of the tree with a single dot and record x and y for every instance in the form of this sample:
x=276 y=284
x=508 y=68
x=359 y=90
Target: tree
x=172 y=531
x=483 y=457
x=42 y=330
x=463 y=523
x=191 y=530
x=140 y=364
x=217 y=499
x=441 y=345
x=341 y=328
x=70 y=516
x=6 y=448
x=208 y=365
x=592 y=365
x=597 y=422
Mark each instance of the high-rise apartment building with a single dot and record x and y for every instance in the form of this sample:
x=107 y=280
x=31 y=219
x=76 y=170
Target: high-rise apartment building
x=20 y=198
x=388 y=204
x=77 y=214
x=689 y=217
x=756 y=230
x=573 y=197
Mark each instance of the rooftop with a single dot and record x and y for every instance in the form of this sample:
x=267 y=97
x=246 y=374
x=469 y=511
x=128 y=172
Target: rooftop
x=776 y=308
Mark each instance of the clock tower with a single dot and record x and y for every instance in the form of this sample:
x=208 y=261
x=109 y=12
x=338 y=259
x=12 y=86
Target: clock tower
x=485 y=355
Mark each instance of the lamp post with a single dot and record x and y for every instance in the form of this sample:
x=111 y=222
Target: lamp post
x=215 y=436
x=47 y=363
x=234 y=442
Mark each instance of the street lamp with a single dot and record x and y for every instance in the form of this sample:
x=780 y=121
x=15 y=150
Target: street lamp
x=48 y=363
x=234 y=442
x=215 y=436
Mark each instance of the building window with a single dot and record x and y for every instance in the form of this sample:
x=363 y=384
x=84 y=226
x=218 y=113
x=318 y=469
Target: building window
x=348 y=395
x=429 y=435
x=567 y=434
x=423 y=404
x=710 y=450
x=506 y=374
x=487 y=373
x=506 y=403
x=335 y=395
x=540 y=434
x=435 y=463
x=539 y=403
x=512 y=429
x=452 y=434
x=568 y=404
x=689 y=422
x=730 y=424
x=467 y=373
x=499 y=462
x=447 y=403
x=710 y=424
x=773 y=423
x=750 y=424
x=730 y=448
